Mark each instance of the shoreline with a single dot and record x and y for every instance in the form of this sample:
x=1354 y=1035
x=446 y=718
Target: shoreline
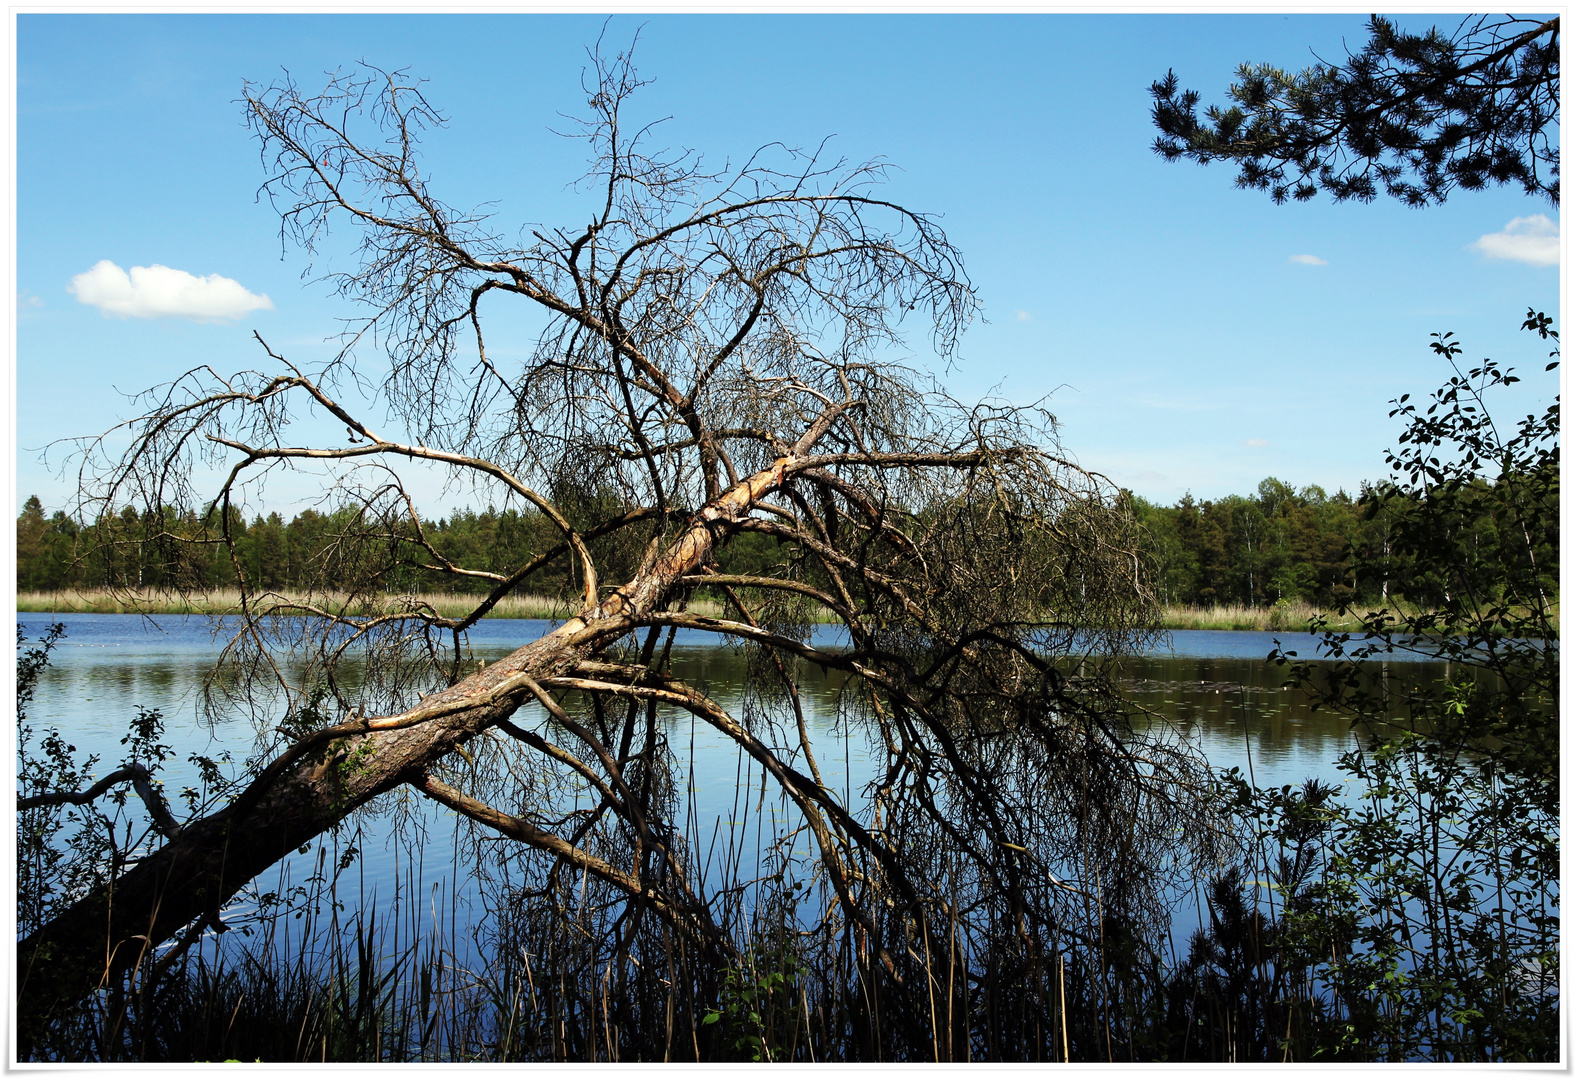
x=1284 y=616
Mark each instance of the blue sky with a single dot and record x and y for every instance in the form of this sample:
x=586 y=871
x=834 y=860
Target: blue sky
x=1161 y=308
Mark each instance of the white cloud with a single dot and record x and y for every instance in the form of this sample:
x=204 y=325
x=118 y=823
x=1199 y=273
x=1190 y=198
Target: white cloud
x=1307 y=260
x=27 y=299
x=1256 y=442
x=1023 y=316
x=158 y=292
x=1535 y=240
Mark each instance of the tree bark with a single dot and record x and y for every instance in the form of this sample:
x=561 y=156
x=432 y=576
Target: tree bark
x=324 y=777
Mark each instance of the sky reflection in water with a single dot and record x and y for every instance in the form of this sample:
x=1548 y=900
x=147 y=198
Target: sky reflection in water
x=1214 y=686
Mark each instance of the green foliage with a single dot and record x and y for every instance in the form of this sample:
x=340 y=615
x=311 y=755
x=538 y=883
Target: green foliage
x=1416 y=114
x=758 y=1009
x=1282 y=544
x=45 y=548
x=1475 y=523
x=1422 y=923
x=61 y=851
x=1411 y=914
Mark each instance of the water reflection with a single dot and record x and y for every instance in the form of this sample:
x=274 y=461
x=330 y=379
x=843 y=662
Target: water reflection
x=1215 y=688
x=1239 y=712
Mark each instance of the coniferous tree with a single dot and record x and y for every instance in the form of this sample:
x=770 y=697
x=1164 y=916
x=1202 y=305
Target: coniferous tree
x=1414 y=115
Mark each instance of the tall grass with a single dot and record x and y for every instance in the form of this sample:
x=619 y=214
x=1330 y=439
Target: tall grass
x=581 y=976
x=562 y=968
x=1282 y=616
x=228 y=602
x=1285 y=615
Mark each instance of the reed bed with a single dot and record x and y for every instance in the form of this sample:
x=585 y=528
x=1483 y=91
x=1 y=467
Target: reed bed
x=560 y=969
x=1293 y=615
x=228 y=602
x=1287 y=615
x=1282 y=616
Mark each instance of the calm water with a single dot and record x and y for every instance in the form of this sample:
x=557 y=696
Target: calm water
x=1214 y=686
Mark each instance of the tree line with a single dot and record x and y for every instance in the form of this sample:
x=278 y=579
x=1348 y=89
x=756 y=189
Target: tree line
x=1279 y=544
x=1025 y=837
x=1285 y=544
x=314 y=549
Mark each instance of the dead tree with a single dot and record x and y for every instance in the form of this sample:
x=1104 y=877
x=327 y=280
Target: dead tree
x=717 y=357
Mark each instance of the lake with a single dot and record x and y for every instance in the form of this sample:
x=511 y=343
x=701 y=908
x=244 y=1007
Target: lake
x=1215 y=687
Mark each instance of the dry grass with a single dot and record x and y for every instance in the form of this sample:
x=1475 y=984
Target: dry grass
x=1284 y=616
x=228 y=602
x=1294 y=615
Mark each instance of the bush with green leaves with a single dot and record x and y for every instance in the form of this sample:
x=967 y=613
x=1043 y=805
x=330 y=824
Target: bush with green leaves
x=1415 y=915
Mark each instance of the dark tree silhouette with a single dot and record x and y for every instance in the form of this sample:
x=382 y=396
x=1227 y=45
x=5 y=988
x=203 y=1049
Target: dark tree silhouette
x=1415 y=115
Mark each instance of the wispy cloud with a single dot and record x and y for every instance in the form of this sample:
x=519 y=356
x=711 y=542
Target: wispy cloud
x=1535 y=240
x=1149 y=480
x=160 y=292
x=1256 y=442
x=1307 y=260
x=25 y=299
x=1023 y=316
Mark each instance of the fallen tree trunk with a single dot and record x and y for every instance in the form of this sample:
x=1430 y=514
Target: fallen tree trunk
x=325 y=776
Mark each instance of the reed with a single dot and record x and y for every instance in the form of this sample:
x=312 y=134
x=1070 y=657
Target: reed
x=574 y=975
x=228 y=602
x=1285 y=615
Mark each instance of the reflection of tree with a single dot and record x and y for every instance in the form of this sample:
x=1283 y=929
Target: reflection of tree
x=713 y=368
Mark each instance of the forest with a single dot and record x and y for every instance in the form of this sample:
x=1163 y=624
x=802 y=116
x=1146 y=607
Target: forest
x=1279 y=544
x=711 y=436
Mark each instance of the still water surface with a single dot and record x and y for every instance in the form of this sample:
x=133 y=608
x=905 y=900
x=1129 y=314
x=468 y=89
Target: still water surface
x=1214 y=686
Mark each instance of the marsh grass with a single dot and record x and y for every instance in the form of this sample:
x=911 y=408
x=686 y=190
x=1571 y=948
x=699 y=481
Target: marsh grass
x=575 y=974
x=228 y=602
x=1282 y=616
x=1285 y=615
